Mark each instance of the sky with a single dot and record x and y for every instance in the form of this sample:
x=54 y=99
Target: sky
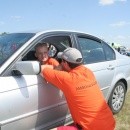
x=106 y=19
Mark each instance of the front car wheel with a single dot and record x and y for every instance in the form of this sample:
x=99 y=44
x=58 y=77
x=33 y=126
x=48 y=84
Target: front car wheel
x=117 y=97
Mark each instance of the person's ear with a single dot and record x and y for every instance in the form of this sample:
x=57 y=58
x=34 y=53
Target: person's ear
x=66 y=66
x=66 y=63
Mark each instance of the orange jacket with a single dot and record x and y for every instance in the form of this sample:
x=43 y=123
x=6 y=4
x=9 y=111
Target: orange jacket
x=52 y=61
x=84 y=97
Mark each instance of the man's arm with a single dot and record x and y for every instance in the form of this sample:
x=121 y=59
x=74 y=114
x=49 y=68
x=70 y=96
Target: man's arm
x=56 y=77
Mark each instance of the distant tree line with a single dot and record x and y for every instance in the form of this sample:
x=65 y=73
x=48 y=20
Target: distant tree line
x=3 y=33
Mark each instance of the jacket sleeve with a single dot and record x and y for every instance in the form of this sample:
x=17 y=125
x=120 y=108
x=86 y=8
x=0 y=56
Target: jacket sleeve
x=55 y=77
x=53 y=62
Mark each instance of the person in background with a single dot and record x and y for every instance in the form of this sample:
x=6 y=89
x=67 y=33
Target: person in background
x=85 y=100
x=112 y=45
x=41 y=53
x=119 y=50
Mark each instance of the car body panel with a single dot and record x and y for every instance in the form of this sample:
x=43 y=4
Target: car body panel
x=36 y=101
x=100 y=70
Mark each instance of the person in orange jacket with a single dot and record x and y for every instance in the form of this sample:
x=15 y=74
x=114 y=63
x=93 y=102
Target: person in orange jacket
x=41 y=53
x=85 y=100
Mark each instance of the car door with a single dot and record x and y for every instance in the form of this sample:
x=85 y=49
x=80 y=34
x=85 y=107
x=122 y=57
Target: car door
x=100 y=58
x=28 y=101
x=60 y=41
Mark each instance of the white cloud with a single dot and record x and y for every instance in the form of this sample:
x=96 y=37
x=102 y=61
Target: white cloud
x=18 y=18
x=120 y=24
x=122 y=0
x=106 y=2
x=120 y=37
x=109 y=2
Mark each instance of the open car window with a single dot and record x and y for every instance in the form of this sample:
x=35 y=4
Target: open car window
x=56 y=44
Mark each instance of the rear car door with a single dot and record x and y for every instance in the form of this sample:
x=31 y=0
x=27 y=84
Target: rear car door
x=100 y=58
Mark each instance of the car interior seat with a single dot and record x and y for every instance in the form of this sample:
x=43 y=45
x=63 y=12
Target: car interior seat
x=30 y=56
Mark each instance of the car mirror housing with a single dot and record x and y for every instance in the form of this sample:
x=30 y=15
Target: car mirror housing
x=26 y=68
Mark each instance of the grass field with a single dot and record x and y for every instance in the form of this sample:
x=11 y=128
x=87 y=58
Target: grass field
x=123 y=117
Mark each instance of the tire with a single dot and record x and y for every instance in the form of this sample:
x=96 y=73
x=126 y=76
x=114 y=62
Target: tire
x=117 y=97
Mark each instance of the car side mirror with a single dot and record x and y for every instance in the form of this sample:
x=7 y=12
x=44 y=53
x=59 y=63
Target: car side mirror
x=26 y=68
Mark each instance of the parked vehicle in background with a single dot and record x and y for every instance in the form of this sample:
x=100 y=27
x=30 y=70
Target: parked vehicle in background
x=28 y=102
x=128 y=53
x=122 y=50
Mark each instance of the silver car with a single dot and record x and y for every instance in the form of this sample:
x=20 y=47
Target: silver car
x=28 y=102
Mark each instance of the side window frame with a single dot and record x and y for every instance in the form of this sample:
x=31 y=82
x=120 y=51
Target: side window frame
x=51 y=39
x=109 y=52
x=98 y=50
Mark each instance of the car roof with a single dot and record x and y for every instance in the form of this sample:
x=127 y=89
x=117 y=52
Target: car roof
x=38 y=32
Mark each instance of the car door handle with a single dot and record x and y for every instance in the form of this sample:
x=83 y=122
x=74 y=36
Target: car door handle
x=110 y=67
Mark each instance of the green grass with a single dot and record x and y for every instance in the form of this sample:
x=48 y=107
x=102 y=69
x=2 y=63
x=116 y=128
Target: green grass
x=123 y=117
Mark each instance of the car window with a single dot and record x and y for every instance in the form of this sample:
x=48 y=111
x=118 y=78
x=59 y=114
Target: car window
x=56 y=44
x=60 y=42
x=92 y=50
x=109 y=52
x=10 y=43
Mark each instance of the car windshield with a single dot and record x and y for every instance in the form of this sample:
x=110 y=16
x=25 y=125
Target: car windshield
x=10 y=43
